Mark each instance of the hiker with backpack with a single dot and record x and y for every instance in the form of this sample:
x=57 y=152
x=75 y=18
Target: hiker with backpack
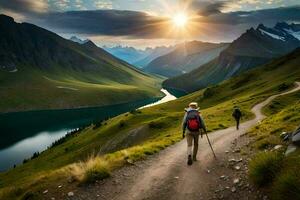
x=237 y=115
x=192 y=125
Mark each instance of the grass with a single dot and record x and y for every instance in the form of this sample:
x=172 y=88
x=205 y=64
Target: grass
x=32 y=89
x=132 y=136
x=286 y=185
x=264 y=167
x=94 y=169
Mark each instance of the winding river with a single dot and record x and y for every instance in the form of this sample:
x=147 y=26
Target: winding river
x=23 y=133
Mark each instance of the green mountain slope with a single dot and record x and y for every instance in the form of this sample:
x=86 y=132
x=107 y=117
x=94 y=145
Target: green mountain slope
x=132 y=136
x=41 y=70
x=185 y=58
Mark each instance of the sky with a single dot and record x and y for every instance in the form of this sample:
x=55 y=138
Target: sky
x=143 y=23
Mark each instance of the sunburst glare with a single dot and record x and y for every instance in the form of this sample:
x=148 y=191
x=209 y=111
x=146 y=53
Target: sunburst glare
x=180 y=20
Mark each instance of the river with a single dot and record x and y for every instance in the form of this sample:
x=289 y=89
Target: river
x=23 y=133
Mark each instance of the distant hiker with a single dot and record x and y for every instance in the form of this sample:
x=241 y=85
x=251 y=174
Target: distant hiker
x=237 y=114
x=192 y=124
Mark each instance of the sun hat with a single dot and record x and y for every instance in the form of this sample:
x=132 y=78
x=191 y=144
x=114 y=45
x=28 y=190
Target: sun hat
x=193 y=105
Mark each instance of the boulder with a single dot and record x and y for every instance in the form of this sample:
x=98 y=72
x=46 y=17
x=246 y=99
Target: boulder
x=278 y=147
x=290 y=149
x=296 y=137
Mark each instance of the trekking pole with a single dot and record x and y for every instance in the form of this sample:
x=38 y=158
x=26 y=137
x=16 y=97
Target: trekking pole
x=210 y=145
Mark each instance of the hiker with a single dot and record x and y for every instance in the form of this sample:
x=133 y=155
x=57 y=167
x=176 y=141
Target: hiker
x=237 y=114
x=192 y=124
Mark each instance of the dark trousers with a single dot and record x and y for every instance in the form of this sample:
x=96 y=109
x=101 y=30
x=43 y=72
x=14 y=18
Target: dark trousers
x=237 y=123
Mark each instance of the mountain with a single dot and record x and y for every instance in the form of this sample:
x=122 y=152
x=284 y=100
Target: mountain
x=128 y=54
x=78 y=40
x=184 y=58
x=41 y=70
x=151 y=54
x=137 y=57
x=253 y=48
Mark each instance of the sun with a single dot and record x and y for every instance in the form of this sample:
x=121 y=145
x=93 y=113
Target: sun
x=180 y=20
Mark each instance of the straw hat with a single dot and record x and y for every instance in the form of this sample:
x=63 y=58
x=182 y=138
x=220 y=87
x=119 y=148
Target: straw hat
x=194 y=105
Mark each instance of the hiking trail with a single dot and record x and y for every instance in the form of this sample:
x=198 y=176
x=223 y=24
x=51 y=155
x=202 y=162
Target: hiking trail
x=166 y=175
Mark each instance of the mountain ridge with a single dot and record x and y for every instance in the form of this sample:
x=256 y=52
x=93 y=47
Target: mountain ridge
x=253 y=48
x=186 y=57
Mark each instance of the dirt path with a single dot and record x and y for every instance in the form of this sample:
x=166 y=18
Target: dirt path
x=166 y=175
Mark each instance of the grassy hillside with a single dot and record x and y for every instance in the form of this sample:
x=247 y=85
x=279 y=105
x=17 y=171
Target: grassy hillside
x=41 y=70
x=30 y=89
x=134 y=135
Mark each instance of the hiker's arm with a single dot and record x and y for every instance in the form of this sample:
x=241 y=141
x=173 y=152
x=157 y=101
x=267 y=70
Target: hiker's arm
x=184 y=123
x=202 y=123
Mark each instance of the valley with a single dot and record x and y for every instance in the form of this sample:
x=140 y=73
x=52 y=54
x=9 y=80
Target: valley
x=132 y=136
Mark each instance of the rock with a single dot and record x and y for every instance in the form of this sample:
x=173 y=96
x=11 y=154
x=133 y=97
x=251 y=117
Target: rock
x=222 y=177
x=52 y=198
x=208 y=171
x=231 y=160
x=278 y=147
x=239 y=160
x=60 y=186
x=283 y=134
x=226 y=151
x=296 y=137
x=70 y=194
x=227 y=187
x=265 y=197
x=237 y=167
x=176 y=177
x=45 y=192
x=233 y=189
x=237 y=150
x=290 y=149
x=236 y=181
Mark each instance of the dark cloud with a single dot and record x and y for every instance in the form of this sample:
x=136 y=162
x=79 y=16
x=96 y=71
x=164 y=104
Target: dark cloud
x=205 y=8
x=142 y=25
x=254 y=17
x=106 y=22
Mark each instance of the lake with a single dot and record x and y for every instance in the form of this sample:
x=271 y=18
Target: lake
x=23 y=133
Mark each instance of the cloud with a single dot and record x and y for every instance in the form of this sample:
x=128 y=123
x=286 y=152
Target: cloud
x=62 y=4
x=142 y=25
x=206 y=8
x=25 y=6
x=105 y=22
x=254 y=17
x=103 y=4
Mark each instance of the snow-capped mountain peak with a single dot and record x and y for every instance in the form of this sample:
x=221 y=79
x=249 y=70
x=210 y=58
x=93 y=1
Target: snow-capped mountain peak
x=78 y=40
x=281 y=31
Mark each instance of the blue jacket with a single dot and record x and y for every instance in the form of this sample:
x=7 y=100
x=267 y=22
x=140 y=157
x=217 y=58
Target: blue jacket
x=190 y=114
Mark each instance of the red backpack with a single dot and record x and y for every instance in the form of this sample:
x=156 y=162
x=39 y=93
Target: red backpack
x=193 y=124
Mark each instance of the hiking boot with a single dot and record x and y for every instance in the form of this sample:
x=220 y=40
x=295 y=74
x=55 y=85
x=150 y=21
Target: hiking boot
x=190 y=161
